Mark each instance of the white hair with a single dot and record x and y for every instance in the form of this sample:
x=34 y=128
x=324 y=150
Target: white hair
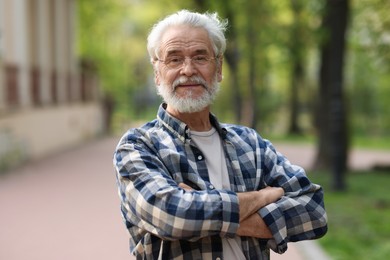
x=214 y=26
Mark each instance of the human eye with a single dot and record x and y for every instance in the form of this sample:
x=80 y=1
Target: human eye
x=174 y=60
x=200 y=59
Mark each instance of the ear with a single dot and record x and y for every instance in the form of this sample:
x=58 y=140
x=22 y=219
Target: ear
x=219 y=69
x=156 y=75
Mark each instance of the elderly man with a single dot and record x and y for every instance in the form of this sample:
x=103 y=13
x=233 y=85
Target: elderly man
x=194 y=188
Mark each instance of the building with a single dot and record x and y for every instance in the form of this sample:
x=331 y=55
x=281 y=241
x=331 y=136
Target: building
x=49 y=99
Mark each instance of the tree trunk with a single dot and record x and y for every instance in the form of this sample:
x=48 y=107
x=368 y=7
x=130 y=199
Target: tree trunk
x=297 y=45
x=232 y=57
x=296 y=82
x=331 y=113
x=250 y=108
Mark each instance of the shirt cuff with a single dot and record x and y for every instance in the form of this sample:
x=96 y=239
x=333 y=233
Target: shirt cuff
x=274 y=219
x=230 y=213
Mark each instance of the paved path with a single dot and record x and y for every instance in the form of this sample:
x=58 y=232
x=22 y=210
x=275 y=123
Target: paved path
x=66 y=208
x=63 y=208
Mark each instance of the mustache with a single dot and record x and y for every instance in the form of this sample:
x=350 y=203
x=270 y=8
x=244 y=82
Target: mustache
x=192 y=79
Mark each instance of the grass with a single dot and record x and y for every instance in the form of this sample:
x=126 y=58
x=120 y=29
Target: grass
x=359 y=142
x=381 y=143
x=358 y=219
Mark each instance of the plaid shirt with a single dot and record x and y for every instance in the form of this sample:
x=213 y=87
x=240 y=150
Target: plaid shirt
x=167 y=222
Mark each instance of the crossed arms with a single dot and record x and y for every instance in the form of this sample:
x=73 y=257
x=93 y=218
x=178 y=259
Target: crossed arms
x=251 y=223
x=153 y=203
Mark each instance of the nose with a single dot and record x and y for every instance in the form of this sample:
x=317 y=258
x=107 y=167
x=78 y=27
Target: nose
x=188 y=68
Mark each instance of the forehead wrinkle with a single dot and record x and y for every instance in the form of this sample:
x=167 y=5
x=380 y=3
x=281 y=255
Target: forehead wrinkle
x=182 y=40
x=201 y=51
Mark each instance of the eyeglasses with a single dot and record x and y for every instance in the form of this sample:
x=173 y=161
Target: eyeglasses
x=175 y=62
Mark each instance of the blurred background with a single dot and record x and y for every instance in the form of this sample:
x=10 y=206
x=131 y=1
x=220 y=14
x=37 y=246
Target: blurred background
x=313 y=75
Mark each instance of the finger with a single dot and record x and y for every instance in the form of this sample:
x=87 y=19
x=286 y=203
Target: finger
x=185 y=186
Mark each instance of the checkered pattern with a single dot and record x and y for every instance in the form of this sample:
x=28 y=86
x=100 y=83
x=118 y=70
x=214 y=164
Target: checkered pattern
x=168 y=222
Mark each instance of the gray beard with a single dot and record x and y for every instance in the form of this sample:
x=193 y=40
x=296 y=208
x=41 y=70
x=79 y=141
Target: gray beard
x=189 y=104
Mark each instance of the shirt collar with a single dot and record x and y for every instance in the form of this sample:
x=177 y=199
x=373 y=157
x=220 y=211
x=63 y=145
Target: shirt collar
x=179 y=128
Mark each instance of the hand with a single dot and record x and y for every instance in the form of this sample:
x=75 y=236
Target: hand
x=185 y=186
x=252 y=201
x=271 y=194
x=253 y=225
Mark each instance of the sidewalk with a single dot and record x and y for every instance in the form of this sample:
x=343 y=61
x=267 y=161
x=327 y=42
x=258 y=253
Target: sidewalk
x=66 y=208
x=63 y=208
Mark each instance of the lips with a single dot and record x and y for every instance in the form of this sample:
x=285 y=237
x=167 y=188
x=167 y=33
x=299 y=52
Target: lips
x=190 y=85
x=187 y=82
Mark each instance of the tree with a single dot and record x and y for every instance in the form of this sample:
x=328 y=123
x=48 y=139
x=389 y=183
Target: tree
x=331 y=112
x=232 y=58
x=250 y=108
x=297 y=49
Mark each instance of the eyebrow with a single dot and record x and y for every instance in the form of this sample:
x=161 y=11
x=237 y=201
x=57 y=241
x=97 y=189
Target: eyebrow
x=197 y=52
x=173 y=52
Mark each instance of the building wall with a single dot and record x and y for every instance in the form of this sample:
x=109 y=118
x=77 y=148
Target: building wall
x=38 y=133
x=49 y=100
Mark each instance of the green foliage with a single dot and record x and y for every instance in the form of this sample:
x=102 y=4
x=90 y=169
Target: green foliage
x=369 y=67
x=112 y=35
x=358 y=226
x=12 y=152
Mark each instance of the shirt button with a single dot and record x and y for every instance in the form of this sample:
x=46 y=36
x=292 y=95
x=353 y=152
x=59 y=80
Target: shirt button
x=200 y=157
x=211 y=187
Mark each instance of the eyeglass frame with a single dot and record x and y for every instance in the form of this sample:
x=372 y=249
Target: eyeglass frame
x=184 y=58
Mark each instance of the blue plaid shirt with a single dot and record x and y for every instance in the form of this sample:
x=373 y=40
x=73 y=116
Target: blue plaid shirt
x=167 y=222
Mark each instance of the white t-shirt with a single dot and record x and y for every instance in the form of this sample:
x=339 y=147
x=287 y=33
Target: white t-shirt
x=210 y=144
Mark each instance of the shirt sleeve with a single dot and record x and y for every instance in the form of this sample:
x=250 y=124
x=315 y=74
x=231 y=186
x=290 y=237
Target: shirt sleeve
x=153 y=202
x=300 y=213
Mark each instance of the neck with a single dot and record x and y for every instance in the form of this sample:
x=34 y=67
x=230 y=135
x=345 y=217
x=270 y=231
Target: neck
x=197 y=121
